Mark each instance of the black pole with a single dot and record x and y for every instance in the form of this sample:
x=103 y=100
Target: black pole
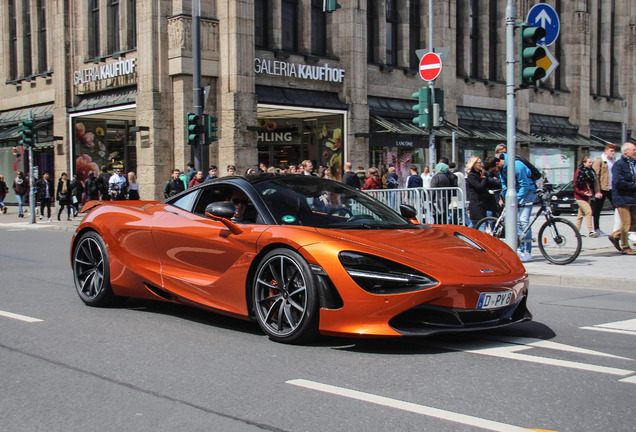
x=196 y=79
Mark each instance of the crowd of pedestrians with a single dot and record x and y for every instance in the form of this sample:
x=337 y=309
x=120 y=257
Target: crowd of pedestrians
x=484 y=185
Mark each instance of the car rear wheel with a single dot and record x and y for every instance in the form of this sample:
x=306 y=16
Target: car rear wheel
x=91 y=271
x=284 y=297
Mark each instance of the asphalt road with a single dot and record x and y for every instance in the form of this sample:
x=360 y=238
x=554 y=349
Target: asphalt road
x=151 y=366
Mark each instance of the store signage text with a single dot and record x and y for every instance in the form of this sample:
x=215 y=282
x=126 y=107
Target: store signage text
x=404 y=143
x=105 y=71
x=302 y=71
x=274 y=136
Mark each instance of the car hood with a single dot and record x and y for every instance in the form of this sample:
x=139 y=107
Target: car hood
x=430 y=247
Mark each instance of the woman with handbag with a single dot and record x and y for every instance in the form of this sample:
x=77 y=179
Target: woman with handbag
x=583 y=184
x=63 y=196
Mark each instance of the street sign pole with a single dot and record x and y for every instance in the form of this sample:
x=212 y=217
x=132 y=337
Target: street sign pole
x=511 y=144
x=196 y=79
x=431 y=140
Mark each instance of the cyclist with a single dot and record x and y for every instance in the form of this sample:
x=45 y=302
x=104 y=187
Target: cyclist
x=526 y=194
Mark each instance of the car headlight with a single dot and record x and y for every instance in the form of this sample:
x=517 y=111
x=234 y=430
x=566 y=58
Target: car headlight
x=381 y=276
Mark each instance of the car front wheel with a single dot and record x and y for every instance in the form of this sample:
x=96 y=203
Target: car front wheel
x=284 y=297
x=91 y=271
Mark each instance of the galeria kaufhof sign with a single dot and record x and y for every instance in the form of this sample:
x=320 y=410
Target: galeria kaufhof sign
x=298 y=70
x=116 y=69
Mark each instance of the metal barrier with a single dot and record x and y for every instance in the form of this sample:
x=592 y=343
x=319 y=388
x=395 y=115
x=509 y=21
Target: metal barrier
x=433 y=206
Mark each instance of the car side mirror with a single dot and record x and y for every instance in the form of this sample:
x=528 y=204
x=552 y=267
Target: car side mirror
x=408 y=212
x=223 y=211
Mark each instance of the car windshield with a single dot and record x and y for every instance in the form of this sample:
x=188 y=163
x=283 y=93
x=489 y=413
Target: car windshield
x=322 y=203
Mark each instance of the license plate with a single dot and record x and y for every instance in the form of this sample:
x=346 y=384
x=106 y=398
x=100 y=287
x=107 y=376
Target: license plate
x=564 y=205
x=494 y=300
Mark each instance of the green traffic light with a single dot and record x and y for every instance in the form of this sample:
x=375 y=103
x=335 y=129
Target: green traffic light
x=422 y=108
x=194 y=128
x=529 y=54
x=26 y=134
x=331 y=6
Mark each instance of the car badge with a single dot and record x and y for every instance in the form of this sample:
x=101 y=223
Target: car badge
x=288 y=219
x=486 y=271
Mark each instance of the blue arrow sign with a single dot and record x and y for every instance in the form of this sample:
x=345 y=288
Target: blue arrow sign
x=545 y=16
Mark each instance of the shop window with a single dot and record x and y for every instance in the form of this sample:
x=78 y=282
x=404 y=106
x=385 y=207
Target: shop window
x=100 y=142
x=401 y=157
x=288 y=141
x=261 y=27
x=290 y=25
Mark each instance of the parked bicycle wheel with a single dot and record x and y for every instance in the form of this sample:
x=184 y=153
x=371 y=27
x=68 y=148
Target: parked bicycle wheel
x=489 y=226
x=559 y=241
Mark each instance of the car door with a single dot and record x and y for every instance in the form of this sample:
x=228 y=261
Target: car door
x=202 y=261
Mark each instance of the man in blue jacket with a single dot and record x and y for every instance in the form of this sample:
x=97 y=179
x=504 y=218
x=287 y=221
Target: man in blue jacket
x=526 y=195
x=624 y=197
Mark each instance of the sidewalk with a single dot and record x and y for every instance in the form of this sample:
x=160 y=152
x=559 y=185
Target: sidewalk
x=599 y=265
x=12 y=221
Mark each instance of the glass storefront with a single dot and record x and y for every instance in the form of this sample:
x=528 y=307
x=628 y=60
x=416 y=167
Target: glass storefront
x=103 y=142
x=289 y=141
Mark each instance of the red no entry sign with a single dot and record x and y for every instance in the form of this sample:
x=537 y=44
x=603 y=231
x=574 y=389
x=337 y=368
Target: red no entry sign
x=430 y=66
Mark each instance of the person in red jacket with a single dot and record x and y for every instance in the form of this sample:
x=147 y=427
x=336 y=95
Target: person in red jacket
x=583 y=184
x=373 y=179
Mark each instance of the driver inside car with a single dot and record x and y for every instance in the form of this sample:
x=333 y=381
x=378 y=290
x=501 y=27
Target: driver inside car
x=239 y=199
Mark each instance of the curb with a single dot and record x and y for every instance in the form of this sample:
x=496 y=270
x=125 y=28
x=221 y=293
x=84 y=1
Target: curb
x=599 y=283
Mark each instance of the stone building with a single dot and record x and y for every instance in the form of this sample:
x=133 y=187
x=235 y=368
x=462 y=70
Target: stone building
x=109 y=82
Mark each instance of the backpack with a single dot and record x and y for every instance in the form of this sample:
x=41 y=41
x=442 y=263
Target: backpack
x=535 y=174
x=391 y=182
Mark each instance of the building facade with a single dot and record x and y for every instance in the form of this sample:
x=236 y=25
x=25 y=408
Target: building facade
x=109 y=83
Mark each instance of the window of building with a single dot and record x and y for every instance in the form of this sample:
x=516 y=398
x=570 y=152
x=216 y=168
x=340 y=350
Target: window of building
x=114 y=26
x=42 y=58
x=131 y=25
x=26 y=25
x=391 y=32
x=371 y=32
x=93 y=34
x=260 y=24
x=13 y=43
x=290 y=25
x=605 y=72
x=318 y=29
x=414 y=33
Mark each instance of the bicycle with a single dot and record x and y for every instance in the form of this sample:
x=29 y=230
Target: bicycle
x=559 y=241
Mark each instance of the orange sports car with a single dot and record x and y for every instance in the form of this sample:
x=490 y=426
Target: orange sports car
x=301 y=256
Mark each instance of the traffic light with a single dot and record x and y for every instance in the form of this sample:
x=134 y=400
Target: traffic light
x=330 y=5
x=529 y=53
x=423 y=108
x=209 y=128
x=438 y=108
x=194 y=129
x=26 y=133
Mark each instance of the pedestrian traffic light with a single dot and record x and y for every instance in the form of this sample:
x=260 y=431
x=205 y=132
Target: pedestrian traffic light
x=209 y=128
x=330 y=5
x=529 y=53
x=422 y=108
x=194 y=129
x=26 y=133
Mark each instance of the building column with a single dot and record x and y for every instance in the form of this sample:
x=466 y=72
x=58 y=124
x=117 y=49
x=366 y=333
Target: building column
x=156 y=149
x=237 y=104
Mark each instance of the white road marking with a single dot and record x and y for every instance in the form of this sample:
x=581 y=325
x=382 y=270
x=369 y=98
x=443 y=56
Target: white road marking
x=407 y=406
x=19 y=317
x=631 y=379
x=620 y=327
x=541 y=343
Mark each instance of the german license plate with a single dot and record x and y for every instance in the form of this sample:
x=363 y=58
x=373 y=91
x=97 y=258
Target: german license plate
x=494 y=300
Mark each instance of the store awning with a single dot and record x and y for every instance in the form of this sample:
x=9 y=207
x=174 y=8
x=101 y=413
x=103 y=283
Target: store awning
x=118 y=97
x=10 y=120
x=299 y=97
x=556 y=131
